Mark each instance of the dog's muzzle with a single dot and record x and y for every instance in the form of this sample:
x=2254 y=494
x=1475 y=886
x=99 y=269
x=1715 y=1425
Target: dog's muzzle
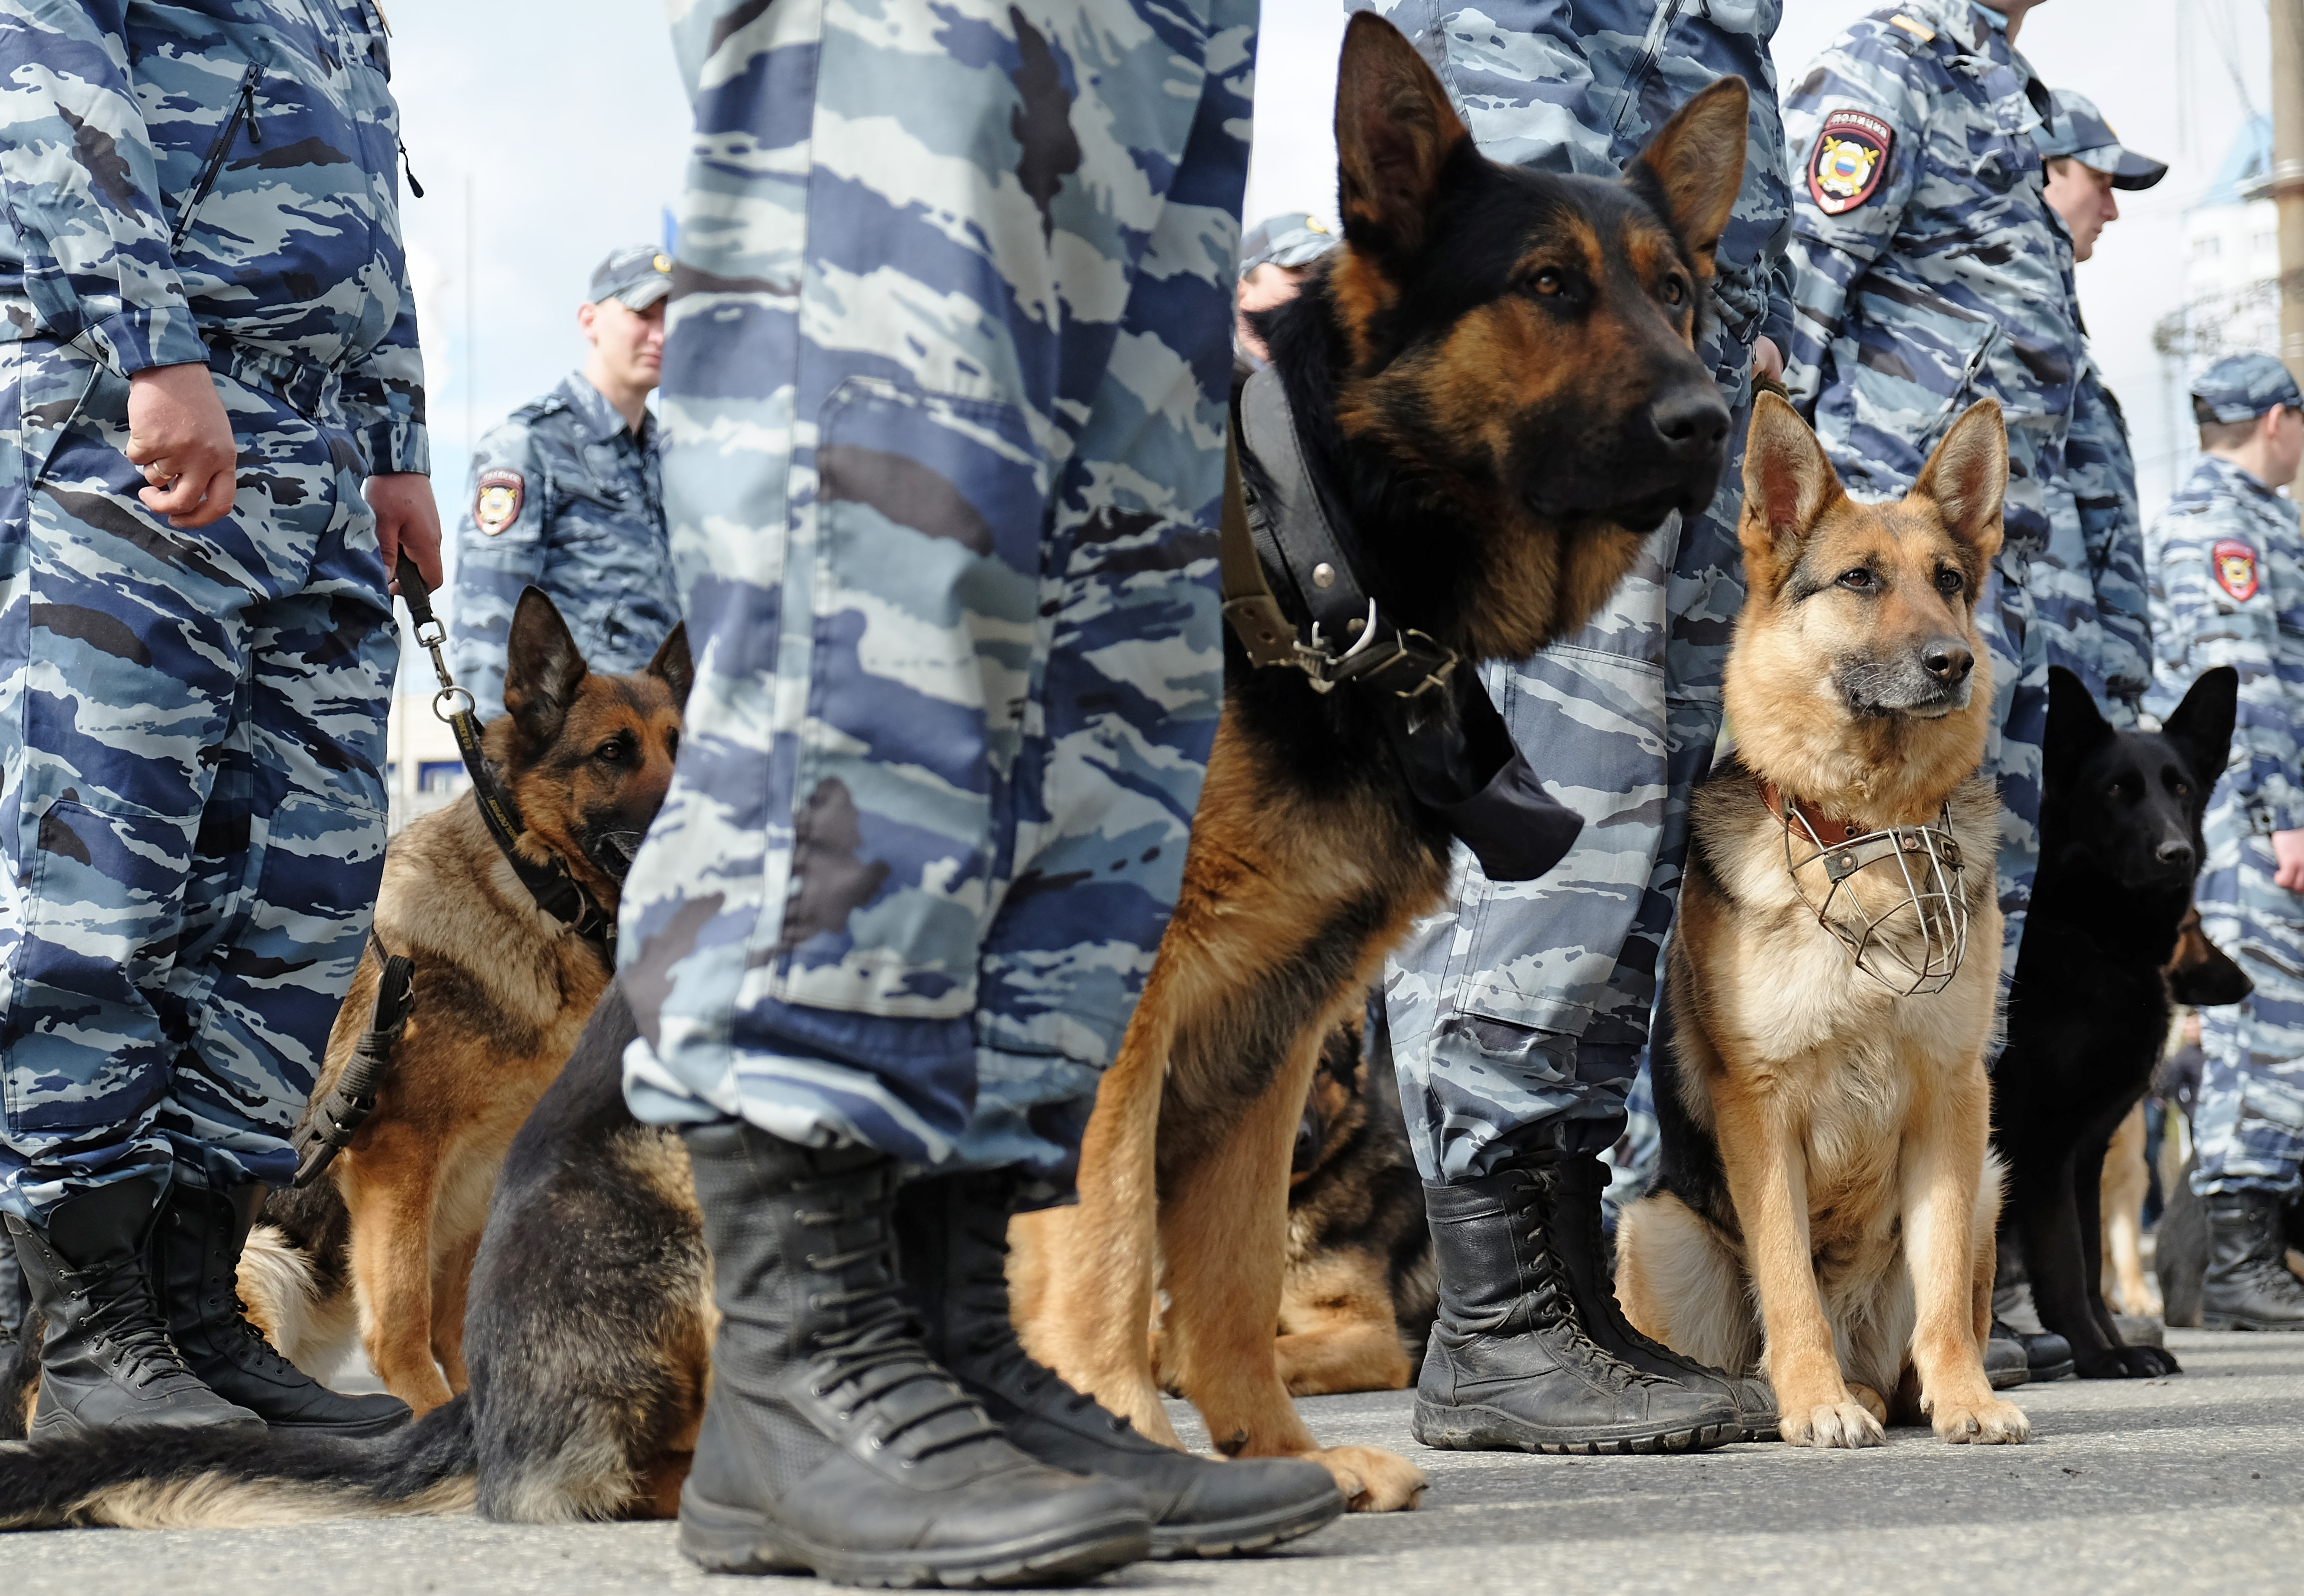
x=614 y=852
x=1930 y=920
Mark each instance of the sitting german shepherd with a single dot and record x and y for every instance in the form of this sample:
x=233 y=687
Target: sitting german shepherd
x=502 y=990
x=1823 y=1101
x=1494 y=379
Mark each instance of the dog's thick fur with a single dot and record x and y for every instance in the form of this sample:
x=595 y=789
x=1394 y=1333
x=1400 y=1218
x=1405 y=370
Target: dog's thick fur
x=589 y=1340
x=1480 y=375
x=502 y=990
x=2088 y=1012
x=1823 y=1137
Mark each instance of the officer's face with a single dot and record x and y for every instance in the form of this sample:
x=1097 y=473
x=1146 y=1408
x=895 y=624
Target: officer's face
x=629 y=343
x=2284 y=435
x=2083 y=197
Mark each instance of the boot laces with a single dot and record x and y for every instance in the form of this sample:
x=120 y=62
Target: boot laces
x=1552 y=1301
x=992 y=1346
x=247 y=1342
x=123 y=1313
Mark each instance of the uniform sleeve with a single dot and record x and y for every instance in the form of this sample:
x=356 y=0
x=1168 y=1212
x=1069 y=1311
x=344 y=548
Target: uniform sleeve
x=2103 y=476
x=507 y=494
x=82 y=184
x=1866 y=74
x=2197 y=624
x=384 y=397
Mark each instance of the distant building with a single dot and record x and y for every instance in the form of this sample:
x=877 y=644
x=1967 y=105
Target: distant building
x=422 y=770
x=2231 y=285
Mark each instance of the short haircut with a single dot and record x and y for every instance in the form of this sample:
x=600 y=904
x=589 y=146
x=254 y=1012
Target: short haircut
x=2222 y=434
x=2056 y=164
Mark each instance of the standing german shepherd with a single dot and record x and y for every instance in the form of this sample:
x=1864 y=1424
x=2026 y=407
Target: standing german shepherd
x=1824 y=1132
x=1496 y=378
x=503 y=988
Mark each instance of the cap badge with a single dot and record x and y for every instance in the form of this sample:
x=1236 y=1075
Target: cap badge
x=497 y=504
x=2235 y=564
x=1851 y=156
x=663 y=263
x=1315 y=225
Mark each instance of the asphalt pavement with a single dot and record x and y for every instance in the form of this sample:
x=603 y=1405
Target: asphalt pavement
x=2194 y=1482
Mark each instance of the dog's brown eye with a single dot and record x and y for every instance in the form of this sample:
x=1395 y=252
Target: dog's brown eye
x=1859 y=580
x=1948 y=582
x=611 y=752
x=2180 y=788
x=1546 y=282
x=1673 y=291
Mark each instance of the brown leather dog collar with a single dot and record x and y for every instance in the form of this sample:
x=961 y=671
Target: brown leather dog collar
x=1827 y=833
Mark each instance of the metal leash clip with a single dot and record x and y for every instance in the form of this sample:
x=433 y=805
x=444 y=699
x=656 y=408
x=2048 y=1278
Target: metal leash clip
x=432 y=633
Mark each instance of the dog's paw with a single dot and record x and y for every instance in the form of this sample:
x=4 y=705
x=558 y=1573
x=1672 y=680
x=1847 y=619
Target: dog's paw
x=1372 y=1481
x=1984 y=1423
x=2150 y=1363
x=1848 y=1423
x=1870 y=1400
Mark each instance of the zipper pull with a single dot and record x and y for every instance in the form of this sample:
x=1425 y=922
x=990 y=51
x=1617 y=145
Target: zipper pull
x=415 y=189
x=248 y=105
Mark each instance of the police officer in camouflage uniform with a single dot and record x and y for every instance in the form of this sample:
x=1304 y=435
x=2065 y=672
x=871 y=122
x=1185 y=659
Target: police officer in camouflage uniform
x=2226 y=559
x=945 y=376
x=1519 y=1013
x=1275 y=254
x=567 y=496
x=199 y=260
x=1929 y=272
x=2088 y=585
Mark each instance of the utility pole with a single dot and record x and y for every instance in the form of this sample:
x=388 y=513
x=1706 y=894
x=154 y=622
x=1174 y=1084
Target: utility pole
x=2287 y=20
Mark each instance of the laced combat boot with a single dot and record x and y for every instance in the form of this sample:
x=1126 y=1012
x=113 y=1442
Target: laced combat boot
x=106 y=1359
x=831 y=1442
x=1582 y=1247
x=1510 y=1366
x=2248 y=1285
x=954 y=1231
x=195 y=1264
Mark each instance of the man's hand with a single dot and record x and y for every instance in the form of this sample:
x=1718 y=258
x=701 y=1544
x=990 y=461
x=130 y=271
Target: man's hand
x=406 y=520
x=178 y=433
x=2288 y=852
x=1767 y=360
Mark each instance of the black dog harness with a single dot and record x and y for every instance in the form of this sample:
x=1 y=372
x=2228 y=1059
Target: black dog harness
x=1454 y=747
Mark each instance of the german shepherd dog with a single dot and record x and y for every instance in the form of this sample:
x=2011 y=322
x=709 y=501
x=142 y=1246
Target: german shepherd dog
x=1495 y=377
x=503 y=988
x=1824 y=1130
x=2120 y=847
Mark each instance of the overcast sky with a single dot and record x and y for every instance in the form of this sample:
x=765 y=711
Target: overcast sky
x=541 y=147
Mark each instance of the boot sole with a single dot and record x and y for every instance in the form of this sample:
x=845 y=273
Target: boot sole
x=2233 y=1322
x=731 y=1540
x=2009 y=1379
x=1251 y=1533
x=2053 y=1371
x=1485 y=1430
x=365 y=1430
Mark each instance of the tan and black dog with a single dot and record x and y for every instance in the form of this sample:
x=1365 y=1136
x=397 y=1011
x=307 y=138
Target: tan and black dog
x=1496 y=379
x=1824 y=1128
x=502 y=990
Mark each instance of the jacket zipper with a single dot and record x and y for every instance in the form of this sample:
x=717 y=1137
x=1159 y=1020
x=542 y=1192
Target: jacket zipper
x=243 y=110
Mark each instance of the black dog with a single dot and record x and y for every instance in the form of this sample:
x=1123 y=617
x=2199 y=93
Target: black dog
x=2119 y=846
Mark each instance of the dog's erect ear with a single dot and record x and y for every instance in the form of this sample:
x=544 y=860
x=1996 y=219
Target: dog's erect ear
x=2202 y=726
x=1394 y=131
x=2076 y=727
x=1788 y=485
x=1690 y=171
x=1967 y=477
x=542 y=669
x=673 y=666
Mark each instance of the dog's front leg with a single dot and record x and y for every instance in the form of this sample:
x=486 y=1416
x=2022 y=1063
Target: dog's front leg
x=1767 y=1178
x=1949 y=1211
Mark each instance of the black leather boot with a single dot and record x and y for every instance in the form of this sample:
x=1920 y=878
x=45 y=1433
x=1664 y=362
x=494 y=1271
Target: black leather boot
x=832 y=1442
x=195 y=1266
x=106 y=1359
x=954 y=1230
x=1509 y=1366
x=1582 y=1249
x=2248 y=1285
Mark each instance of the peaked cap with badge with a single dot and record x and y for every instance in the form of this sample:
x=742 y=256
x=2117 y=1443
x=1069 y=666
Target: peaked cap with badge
x=2078 y=130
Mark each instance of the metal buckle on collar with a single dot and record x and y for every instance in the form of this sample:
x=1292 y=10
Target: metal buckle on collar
x=1935 y=894
x=1374 y=653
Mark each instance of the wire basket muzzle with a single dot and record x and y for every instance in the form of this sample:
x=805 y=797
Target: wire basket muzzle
x=1914 y=944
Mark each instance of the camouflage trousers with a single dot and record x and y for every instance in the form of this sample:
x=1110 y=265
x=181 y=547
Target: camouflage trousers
x=2020 y=642
x=2248 y=1121
x=945 y=385
x=1522 y=1008
x=192 y=812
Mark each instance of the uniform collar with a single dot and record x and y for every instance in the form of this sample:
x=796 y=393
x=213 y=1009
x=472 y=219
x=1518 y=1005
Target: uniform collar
x=600 y=420
x=1995 y=21
x=2239 y=476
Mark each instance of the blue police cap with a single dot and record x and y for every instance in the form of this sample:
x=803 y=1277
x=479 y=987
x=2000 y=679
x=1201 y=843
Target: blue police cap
x=1290 y=240
x=637 y=274
x=2076 y=128
x=2242 y=387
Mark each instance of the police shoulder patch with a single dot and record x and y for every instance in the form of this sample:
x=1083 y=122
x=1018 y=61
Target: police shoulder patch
x=2233 y=563
x=1850 y=159
x=497 y=504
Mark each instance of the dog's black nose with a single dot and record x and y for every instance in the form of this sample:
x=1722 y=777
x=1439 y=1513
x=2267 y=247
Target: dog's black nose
x=2174 y=851
x=1692 y=423
x=1947 y=659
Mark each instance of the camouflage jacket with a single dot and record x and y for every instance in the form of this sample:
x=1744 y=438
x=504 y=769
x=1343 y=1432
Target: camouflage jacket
x=1580 y=85
x=2092 y=594
x=566 y=497
x=215 y=172
x=2227 y=563
x=1928 y=270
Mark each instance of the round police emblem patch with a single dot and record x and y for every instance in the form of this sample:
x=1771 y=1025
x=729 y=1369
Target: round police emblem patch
x=2234 y=565
x=497 y=504
x=1850 y=159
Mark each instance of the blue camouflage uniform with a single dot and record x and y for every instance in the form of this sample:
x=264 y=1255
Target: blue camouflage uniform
x=192 y=812
x=944 y=397
x=2227 y=563
x=1929 y=272
x=564 y=497
x=1522 y=1005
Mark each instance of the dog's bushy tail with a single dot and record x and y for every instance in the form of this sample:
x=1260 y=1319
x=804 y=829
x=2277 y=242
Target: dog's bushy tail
x=173 y=1480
